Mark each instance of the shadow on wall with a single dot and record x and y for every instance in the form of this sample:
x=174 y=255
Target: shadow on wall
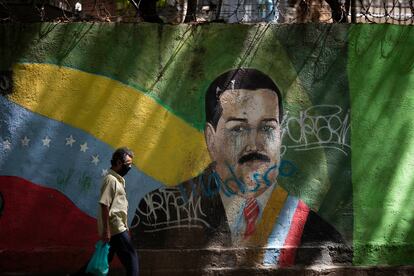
x=382 y=143
x=87 y=107
x=6 y=82
x=143 y=86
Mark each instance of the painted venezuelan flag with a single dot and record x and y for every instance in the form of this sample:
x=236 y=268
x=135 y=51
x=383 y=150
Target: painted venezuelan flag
x=115 y=114
x=55 y=150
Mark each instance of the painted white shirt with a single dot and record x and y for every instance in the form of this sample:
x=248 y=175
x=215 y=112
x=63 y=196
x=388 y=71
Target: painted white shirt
x=234 y=206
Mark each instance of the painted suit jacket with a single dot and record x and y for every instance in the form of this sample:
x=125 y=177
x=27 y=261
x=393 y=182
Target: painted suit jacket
x=192 y=215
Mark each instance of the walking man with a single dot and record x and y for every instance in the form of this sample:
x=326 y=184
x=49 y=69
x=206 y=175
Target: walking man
x=113 y=210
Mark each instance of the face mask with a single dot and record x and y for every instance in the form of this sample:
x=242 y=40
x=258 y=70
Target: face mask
x=124 y=169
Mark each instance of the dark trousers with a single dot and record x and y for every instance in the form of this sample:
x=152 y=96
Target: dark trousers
x=121 y=245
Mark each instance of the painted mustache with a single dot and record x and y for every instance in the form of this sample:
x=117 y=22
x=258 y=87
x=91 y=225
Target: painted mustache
x=253 y=157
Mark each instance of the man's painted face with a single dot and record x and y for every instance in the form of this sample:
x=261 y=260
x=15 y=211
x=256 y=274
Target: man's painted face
x=246 y=142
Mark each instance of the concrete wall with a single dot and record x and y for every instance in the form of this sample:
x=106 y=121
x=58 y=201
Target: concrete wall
x=72 y=93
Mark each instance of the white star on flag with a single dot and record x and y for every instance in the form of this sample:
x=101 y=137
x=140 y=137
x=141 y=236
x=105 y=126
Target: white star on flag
x=6 y=145
x=46 y=141
x=70 y=141
x=84 y=147
x=25 y=141
x=104 y=172
x=95 y=159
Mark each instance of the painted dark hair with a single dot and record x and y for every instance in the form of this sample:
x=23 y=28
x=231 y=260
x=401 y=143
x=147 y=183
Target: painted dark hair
x=241 y=78
x=121 y=154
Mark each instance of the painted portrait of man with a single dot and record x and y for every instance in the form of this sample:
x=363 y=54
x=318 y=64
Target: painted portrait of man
x=243 y=133
x=236 y=201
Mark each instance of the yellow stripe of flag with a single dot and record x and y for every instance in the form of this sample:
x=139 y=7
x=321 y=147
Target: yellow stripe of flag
x=166 y=147
x=270 y=215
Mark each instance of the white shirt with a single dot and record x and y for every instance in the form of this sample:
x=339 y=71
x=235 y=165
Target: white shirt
x=234 y=205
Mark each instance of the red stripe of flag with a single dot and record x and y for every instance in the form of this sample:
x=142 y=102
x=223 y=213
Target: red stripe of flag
x=288 y=252
x=41 y=230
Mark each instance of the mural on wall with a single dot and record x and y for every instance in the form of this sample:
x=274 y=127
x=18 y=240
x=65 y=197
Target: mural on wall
x=242 y=136
x=236 y=201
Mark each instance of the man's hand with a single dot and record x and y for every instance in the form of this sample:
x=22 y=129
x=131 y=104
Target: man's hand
x=106 y=236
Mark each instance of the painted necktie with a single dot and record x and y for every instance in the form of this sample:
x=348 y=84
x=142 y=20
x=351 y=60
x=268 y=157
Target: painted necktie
x=250 y=212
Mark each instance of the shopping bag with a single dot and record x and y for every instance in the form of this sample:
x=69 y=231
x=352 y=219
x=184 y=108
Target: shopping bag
x=98 y=265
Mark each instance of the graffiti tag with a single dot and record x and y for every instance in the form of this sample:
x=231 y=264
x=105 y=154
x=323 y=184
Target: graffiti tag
x=319 y=126
x=212 y=183
x=178 y=207
x=85 y=181
x=62 y=178
x=166 y=209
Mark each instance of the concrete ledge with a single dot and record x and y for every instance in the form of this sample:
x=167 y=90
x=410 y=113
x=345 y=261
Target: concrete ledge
x=234 y=258
x=212 y=261
x=294 y=271
x=328 y=271
x=340 y=271
x=46 y=261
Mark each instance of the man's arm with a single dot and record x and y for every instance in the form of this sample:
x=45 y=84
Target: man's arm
x=106 y=234
x=108 y=191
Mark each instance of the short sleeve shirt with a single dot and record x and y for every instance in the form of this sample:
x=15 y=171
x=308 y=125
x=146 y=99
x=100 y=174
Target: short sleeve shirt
x=113 y=195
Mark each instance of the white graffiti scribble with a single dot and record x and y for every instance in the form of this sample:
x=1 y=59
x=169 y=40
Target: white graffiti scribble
x=319 y=126
x=167 y=208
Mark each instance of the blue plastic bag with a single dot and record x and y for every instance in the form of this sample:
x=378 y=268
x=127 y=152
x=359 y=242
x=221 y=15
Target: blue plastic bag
x=98 y=265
